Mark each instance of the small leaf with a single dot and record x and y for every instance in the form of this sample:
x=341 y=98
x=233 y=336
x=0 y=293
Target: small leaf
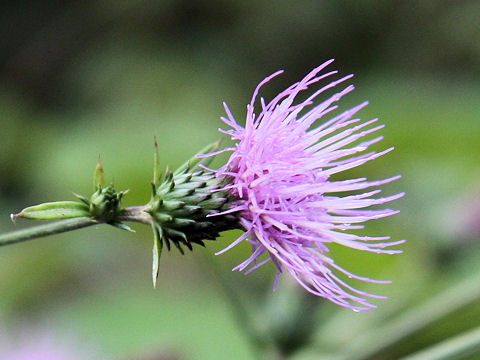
x=157 y=252
x=82 y=198
x=98 y=176
x=54 y=210
x=122 y=226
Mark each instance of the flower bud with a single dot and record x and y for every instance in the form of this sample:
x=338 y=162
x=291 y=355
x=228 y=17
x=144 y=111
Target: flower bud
x=105 y=204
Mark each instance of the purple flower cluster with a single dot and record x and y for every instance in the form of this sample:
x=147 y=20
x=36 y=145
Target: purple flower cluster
x=281 y=173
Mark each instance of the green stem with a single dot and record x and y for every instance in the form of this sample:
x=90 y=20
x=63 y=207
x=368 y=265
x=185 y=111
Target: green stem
x=135 y=214
x=46 y=230
x=458 y=347
x=416 y=319
x=238 y=308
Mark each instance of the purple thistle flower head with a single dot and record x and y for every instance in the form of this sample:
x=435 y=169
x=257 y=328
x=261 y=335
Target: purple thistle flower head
x=280 y=172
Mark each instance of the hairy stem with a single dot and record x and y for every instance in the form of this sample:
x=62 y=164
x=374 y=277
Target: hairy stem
x=46 y=230
x=135 y=214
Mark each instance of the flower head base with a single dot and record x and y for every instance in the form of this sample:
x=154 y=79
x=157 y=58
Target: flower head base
x=280 y=171
x=181 y=204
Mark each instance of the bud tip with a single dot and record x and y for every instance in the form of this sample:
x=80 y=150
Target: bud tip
x=98 y=177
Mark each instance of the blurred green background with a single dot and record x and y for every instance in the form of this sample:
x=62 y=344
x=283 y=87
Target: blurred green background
x=88 y=79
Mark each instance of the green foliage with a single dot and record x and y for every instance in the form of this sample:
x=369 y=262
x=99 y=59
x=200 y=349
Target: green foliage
x=54 y=211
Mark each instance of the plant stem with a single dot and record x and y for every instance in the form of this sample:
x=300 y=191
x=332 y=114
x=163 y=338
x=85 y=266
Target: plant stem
x=458 y=347
x=135 y=214
x=414 y=320
x=239 y=310
x=46 y=230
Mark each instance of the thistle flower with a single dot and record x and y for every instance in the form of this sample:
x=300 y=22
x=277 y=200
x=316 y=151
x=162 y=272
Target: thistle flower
x=277 y=185
x=280 y=172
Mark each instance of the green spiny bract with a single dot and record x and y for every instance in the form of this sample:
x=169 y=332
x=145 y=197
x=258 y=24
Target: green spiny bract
x=106 y=204
x=180 y=205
